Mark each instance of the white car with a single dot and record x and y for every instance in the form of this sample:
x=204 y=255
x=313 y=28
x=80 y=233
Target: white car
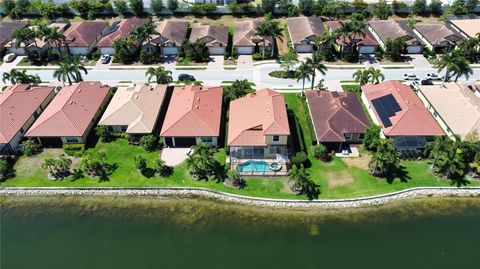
x=410 y=76
x=9 y=57
x=104 y=59
x=432 y=76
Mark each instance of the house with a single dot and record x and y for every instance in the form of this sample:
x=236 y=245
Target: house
x=118 y=29
x=338 y=118
x=71 y=115
x=134 y=110
x=455 y=107
x=258 y=132
x=82 y=37
x=365 y=44
x=303 y=32
x=402 y=116
x=245 y=38
x=193 y=115
x=466 y=27
x=36 y=45
x=6 y=31
x=170 y=37
x=215 y=38
x=385 y=29
x=437 y=36
x=20 y=106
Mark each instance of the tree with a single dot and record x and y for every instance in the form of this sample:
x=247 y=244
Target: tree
x=235 y=180
x=458 y=7
x=436 y=7
x=394 y=48
x=62 y=165
x=30 y=147
x=384 y=159
x=157 y=7
x=201 y=162
x=436 y=148
x=238 y=89
x=162 y=169
x=196 y=51
x=53 y=36
x=94 y=164
x=371 y=137
x=120 y=7
x=161 y=75
x=302 y=73
x=397 y=5
x=70 y=70
x=149 y=142
x=264 y=32
x=136 y=6
x=320 y=151
x=375 y=75
x=306 y=7
x=471 y=49
x=454 y=63
x=15 y=77
x=82 y=7
x=140 y=163
x=5 y=167
x=275 y=31
x=123 y=50
x=315 y=64
x=419 y=7
x=172 y=5
x=362 y=76
x=25 y=36
x=8 y=6
x=48 y=9
x=288 y=60
x=471 y=5
x=359 y=5
x=343 y=32
x=267 y=6
x=144 y=32
x=382 y=10
x=326 y=45
x=334 y=9
x=102 y=132
x=49 y=164
x=302 y=184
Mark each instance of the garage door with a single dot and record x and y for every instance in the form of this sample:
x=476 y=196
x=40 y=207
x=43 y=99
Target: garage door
x=170 y=51
x=110 y=51
x=414 y=49
x=51 y=142
x=217 y=51
x=367 y=49
x=245 y=50
x=304 y=48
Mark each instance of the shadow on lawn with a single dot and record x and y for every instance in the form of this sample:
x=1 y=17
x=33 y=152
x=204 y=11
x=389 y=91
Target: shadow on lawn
x=398 y=173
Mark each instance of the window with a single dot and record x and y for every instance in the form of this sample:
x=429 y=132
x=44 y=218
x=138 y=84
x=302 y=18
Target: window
x=276 y=138
x=72 y=139
x=360 y=136
x=348 y=136
x=207 y=139
x=123 y=128
x=109 y=128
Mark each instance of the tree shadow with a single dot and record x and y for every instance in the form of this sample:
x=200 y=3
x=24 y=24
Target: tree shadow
x=400 y=173
x=107 y=171
x=77 y=174
x=148 y=172
x=311 y=190
x=219 y=171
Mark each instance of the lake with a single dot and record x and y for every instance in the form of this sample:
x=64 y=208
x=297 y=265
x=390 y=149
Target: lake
x=109 y=232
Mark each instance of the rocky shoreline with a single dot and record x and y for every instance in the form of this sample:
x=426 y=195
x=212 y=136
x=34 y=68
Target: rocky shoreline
x=179 y=192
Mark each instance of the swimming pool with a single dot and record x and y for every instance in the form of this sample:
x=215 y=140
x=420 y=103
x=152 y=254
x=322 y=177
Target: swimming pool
x=254 y=166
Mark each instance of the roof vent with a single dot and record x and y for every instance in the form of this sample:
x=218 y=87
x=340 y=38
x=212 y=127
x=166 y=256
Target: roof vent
x=136 y=97
x=71 y=102
x=196 y=107
x=80 y=90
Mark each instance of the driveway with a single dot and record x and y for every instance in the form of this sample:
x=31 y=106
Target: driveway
x=369 y=60
x=419 y=61
x=100 y=66
x=216 y=62
x=12 y=64
x=302 y=57
x=169 y=61
x=244 y=62
x=174 y=156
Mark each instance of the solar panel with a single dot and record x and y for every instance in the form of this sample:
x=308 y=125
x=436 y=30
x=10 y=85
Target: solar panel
x=386 y=106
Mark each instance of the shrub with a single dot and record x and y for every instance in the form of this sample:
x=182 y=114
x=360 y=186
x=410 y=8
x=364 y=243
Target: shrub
x=172 y=5
x=235 y=180
x=102 y=133
x=162 y=169
x=6 y=165
x=282 y=74
x=300 y=158
x=372 y=137
x=149 y=142
x=257 y=56
x=157 y=6
x=74 y=149
x=320 y=152
x=140 y=163
x=203 y=8
x=136 y=6
x=120 y=7
x=379 y=54
x=30 y=147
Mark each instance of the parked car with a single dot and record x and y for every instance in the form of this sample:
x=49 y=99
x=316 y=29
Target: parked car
x=104 y=59
x=415 y=85
x=9 y=57
x=433 y=76
x=186 y=77
x=410 y=76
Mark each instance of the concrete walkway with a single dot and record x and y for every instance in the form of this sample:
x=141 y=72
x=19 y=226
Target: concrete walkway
x=174 y=156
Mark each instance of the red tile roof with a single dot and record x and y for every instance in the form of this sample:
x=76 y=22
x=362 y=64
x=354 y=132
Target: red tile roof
x=256 y=115
x=84 y=33
x=193 y=111
x=71 y=111
x=123 y=30
x=412 y=120
x=367 y=40
x=335 y=114
x=17 y=105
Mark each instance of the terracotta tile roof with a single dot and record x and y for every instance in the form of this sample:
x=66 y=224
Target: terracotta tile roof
x=171 y=31
x=71 y=111
x=84 y=33
x=394 y=29
x=210 y=34
x=469 y=27
x=335 y=114
x=246 y=33
x=437 y=33
x=137 y=107
x=6 y=30
x=412 y=120
x=120 y=29
x=256 y=115
x=304 y=28
x=367 y=40
x=17 y=105
x=193 y=111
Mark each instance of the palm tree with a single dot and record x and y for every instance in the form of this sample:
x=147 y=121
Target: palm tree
x=462 y=69
x=144 y=32
x=375 y=75
x=384 y=158
x=299 y=177
x=315 y=63
x=471 y=48
x=326 y=42
x=54 y=37
x=343 y=32
x=437 y=147
x=302 y=73
x=275 y=31
x=454 y=63
x=238 y=89
x=357 y=29
x=48 y=163
x=24 y=36
x=361 y=76
x=70 y=70
x=162 y=76
x=264 y=32
x=16 y=76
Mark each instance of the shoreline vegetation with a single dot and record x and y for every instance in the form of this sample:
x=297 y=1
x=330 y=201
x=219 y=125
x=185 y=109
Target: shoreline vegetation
x=189 y=213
